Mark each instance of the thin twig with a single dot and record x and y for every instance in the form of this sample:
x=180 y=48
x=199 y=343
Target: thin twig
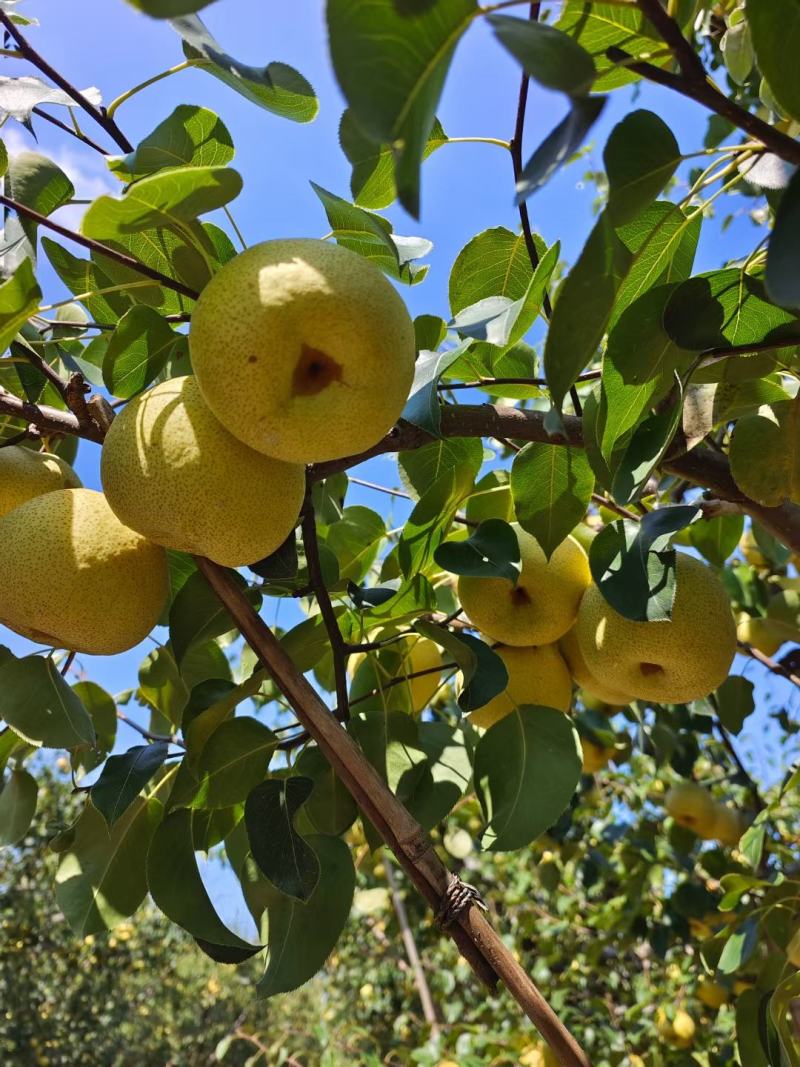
x=727 y=741
x=147 y=733
x=768 y=662
x=338 y=647
x=72 y=132
x=97 y=246
x=99 y=116
x=410 y=945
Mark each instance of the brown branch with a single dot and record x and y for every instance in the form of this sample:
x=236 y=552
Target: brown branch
x=768 y=662
x=97 y=246
x=476 y=939
x=410 y=945
x=68 y=129
x=45 y=418
x=339 y=650
x=99 y=115
x=706 y=94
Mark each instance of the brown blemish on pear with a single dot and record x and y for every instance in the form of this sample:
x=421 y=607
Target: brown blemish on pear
x=520 y=597
x=315 y=370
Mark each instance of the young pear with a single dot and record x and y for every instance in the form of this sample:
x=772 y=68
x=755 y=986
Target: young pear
x=303 y=350
x=172 y=472
x=595 y=757
x=712 y=994
x=570 y=649
x=692 y=806
x=670 y=661
x=74 y=577
x=543 y=604
x=25 y=474
x=536 y=675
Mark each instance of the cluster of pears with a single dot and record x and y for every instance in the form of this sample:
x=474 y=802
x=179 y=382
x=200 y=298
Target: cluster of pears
x=302 y=351
x=692 y=805
x=554 y=627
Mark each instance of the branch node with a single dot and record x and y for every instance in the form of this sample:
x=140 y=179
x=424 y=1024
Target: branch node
x=457 y=898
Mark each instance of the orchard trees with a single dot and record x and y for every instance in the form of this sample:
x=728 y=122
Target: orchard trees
x=648 y=403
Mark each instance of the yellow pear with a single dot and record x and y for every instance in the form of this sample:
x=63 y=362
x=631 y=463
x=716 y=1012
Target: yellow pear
x=767 y=635
x=604 y=695
x=692 y=806
x=595 y=757
x=536 y=675
x=635 y=1061
x=400 y=659
x=670 y=661
x=728 y=826
x=25 y=474
x=751 y=551
x=793 y=950
x=712 y=994
x=538 y=1055
x=172 y=472
x=543 y=604
x=683 y=1027
x=303 y=350
x=74 y=577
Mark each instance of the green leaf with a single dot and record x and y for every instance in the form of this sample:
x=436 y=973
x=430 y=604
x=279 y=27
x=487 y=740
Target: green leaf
x=639 y=346
x=749 y=1029
x=493 y=263
x=605 y=26
x=446 y=773
x=427 y=524
x=640 y=157
x=490 y=551
x=17 y=806
x=739 y=947
x=40 y=706
x=372 y=182
x=526 y=769
x=550 y=57
x=191 y=137
x=483 y=673
x=648 y=443
x=168 y=9
x=38 y=183
x=233 y=761
x=552 y=487
x=737 y=51
x=355 y=540
x=276 y=87
x=302 y=936
x=391 y=62
x=197 y=615
x=124 y=777
x=559 y=146
x=782 y=275
x=421 y=468
x=282 y=855
x=372 y=237
x=775 y=31
x=330 y=809
x=422 y=407
x=716 y=539
x=764 y=453
x=3 y=159
x=84 y=276
x=726 y=307
x=633 y=564
x=19 y=299
x=102 y=711
x=161 y=685
x=177 y=889
x=101 y=876
x=583 y=307
x=171 y=197
x=735 y=702
x=138 y=350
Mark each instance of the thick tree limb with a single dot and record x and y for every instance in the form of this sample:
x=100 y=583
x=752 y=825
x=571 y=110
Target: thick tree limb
x=473 y=934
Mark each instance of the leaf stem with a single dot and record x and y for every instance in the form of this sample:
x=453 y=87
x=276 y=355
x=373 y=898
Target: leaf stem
x=480 y=140
x=234 y=227
x=112 y=107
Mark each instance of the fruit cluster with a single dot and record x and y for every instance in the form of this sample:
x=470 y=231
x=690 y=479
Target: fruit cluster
x=302 y=351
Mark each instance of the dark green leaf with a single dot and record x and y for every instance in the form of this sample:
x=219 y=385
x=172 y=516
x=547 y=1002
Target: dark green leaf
x=17 y=806
x=583 y=307
x=192 y=136
x=197 y=615
x=634 y=565
x=723 y=308
x=739 y=947
x=40 y=706
x=483 y=673
x=177 y=889
x=421 y=468
x=282 y=855
x=552 y=487
x=138 y=350
x=302 y=936
x=427 y=524
x=330 y=809
x=552 y=58
x=161 y=686
x=170 y=197
x=607 y=25
x=168 y=9
x=101 y=874
x=735 y=702
x=526 y=769
x=775 y=28
x=640 y=157
x=446 y=773
x=648 y=443
x=490 y=551
x=560 y=145
x=414 y=45
x=38 y=183
x=277 y=87
x=103 y=712
x=233 y=761
x=638 y=345
x=123 y=778
x=422 y=406
x=749 y=1029
x=716 y=539
x=782 y=276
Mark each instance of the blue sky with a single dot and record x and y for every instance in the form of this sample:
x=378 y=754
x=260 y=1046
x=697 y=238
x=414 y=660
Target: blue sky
x=466 y=188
